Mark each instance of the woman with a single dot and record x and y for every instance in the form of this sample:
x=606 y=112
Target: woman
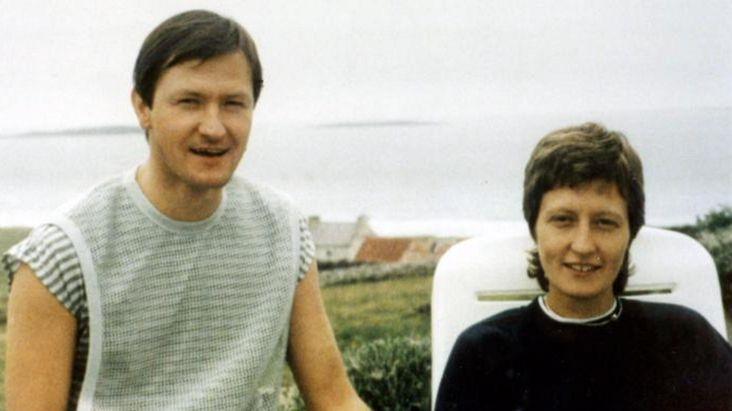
x=579 y=346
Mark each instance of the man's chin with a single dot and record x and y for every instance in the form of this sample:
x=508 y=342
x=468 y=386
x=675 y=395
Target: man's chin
x=210 y=183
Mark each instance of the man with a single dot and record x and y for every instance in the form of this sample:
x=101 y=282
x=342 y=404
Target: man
x=175 y=286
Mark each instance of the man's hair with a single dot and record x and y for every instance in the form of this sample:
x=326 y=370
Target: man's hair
x=192 y=35
x=577 y=155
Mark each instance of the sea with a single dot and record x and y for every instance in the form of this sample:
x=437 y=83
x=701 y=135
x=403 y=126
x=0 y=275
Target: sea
x=458 y=177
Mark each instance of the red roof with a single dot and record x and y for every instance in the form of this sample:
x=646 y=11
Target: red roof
x=382 y=250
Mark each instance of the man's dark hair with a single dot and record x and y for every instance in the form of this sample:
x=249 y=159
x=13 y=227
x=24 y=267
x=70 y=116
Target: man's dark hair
x=192 y=35
x=577 y=155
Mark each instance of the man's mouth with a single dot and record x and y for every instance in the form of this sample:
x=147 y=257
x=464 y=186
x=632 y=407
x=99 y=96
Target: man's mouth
x=583 y=268
x=209 y=151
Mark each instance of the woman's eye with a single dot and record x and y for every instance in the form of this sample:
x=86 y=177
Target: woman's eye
x=188 y=101
x=607 y=223
x=235 y=104
x=561 y=219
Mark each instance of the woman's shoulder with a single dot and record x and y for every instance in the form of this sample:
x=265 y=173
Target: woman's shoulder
x=504 y=326
x=672 y=322
x=662 y=312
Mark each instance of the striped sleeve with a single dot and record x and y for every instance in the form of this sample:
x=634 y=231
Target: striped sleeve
x=48 y=251
x=307 y=248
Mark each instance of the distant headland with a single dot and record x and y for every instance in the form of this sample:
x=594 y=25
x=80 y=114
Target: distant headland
x=82 y=131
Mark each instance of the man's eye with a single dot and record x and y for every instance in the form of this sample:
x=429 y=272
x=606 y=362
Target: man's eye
x=235 y=103
x=188 y=101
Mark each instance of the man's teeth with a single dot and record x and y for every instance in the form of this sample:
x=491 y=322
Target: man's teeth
x=208 y=151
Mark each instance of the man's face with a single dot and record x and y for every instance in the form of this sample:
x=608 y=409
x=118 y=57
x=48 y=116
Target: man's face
x=582 y=234
x=199 y=122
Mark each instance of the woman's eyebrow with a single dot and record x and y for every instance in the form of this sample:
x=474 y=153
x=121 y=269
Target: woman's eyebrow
x=609 y=213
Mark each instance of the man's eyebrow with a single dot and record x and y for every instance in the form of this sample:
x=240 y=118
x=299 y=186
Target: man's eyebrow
x=193 y=93
x=561 y=209
x=238 y=95
x=185 y=92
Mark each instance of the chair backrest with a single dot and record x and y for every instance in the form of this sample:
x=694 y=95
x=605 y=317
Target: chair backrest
x=486 y=275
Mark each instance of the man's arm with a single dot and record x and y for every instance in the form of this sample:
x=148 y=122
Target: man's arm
x=41 y=338
x=313 y=354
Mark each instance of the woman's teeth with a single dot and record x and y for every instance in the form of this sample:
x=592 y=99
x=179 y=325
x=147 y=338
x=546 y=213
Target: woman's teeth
x=582 y=267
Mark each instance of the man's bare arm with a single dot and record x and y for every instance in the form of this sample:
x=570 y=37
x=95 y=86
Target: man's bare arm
x=41 y=338
x=313 y=352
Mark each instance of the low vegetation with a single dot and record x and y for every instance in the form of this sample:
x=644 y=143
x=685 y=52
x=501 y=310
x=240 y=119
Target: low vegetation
x=10 y=236
x=370 y=272
x=714 y=232
x=362 y=312
x=392 y=373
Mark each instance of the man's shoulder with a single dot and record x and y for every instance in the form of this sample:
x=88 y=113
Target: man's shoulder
x=262 y=195
x=96 y=195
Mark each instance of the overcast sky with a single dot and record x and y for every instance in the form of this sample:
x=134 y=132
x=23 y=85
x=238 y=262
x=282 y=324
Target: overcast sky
x=68 y=64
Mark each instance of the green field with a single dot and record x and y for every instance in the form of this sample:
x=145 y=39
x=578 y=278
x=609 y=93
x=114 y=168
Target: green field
x=366 y=311
x=10 y=236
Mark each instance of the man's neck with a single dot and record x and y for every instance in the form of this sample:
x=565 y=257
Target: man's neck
x=178 y=202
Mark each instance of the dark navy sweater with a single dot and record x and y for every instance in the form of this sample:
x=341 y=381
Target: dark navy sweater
x=652 y=357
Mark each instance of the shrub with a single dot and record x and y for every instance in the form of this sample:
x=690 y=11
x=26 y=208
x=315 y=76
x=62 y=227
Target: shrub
x=375 y=272
x=392 y=374
x=716 y=235
x=290 y=399
x=714 y=232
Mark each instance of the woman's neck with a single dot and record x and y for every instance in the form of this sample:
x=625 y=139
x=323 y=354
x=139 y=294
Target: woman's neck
x=579 y=308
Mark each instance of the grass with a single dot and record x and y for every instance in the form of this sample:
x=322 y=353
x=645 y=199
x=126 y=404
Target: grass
x=2 y=368
x=362 y=312
x=10 y=236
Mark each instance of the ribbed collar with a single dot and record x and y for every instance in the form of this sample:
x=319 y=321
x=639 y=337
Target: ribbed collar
x=611 y=315
x=176 y=226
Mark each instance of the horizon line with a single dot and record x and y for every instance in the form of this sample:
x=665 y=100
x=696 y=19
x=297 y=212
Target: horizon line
x=117 y=129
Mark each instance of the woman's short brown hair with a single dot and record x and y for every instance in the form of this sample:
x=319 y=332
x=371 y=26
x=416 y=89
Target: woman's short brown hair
x=192 y=35
x=577 y=155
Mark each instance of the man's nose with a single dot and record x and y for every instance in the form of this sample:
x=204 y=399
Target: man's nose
x=211 y=125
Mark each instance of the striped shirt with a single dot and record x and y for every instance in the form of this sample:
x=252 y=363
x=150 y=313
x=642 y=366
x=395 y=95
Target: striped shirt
x=49 y=252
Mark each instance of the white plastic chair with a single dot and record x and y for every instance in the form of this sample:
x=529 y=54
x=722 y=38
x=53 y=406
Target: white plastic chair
x=486 y=275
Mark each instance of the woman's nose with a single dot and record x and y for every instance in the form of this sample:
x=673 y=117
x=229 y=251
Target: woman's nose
x=583 y=241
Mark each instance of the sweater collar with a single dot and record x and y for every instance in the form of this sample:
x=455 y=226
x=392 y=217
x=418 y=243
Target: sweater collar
x=611 y=315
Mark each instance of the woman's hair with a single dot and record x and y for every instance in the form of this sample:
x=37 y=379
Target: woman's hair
x=574 y=156
x=192 y=35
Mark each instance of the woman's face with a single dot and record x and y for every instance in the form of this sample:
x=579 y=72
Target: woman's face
x=582 y=234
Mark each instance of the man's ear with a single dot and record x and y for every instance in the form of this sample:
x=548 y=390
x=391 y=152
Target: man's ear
x=141 y=110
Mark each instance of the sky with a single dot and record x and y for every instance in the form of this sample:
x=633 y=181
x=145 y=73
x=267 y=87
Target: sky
x=68 y=64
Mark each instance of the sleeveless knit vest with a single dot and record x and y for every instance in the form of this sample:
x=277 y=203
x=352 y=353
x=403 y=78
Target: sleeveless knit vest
x=184 y=315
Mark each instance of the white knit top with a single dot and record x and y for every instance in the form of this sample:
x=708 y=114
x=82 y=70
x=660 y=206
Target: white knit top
x=173 y=315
